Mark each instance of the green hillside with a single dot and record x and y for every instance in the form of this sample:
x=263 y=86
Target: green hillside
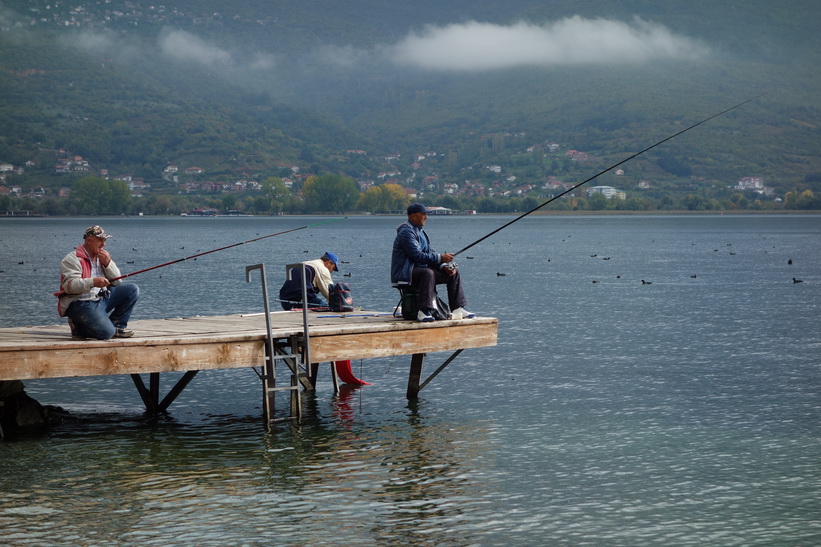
x=249 y=91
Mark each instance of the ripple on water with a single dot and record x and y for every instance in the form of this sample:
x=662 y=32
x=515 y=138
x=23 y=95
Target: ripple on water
x=683 y=412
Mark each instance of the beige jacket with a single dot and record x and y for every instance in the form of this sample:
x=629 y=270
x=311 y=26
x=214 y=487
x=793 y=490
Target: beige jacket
x=75 y=277
x=323 y=276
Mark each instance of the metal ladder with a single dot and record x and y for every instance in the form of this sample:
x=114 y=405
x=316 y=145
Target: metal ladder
x=286 y=350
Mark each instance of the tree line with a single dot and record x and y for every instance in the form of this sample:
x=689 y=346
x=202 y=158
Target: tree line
x=331 y=193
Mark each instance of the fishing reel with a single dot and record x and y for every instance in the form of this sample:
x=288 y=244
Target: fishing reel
x=103 y=292
x=450 y=267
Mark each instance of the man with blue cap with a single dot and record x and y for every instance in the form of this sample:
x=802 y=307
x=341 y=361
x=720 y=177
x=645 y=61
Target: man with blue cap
x=414 y=264
x=318 y=276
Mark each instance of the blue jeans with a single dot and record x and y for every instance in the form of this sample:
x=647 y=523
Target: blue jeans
x=100 y=319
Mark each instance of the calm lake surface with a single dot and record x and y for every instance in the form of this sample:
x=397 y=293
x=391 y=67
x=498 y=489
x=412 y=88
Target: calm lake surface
x=682 y=412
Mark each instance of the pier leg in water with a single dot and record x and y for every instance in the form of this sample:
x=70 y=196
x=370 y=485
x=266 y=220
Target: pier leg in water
x=415 y=375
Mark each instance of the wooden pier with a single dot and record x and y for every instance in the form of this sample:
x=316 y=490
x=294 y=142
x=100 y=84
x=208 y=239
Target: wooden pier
x=198 y=343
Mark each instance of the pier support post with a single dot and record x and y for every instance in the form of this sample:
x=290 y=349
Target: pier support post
x=151 y=395
x=415 y=375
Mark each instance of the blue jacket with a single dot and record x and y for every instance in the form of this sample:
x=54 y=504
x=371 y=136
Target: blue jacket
x=410 y=248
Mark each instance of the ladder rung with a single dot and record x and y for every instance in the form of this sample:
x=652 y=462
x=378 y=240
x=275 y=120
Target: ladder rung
x=283 y=388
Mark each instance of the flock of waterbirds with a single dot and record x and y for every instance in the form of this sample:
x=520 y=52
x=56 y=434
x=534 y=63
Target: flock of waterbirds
x=795 y=280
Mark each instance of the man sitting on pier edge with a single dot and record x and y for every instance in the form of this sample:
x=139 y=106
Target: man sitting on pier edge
x=318 y=276
x=413 y=263
x=96 y=303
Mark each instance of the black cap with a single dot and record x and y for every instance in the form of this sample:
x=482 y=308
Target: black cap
x=417 y=208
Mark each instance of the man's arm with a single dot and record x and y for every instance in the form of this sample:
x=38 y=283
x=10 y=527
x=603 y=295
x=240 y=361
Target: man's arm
x=409 y=241
x=110 y=268
x=73 y=281
x=322 y=279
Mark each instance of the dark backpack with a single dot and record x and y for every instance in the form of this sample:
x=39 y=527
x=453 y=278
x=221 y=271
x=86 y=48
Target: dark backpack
x=407 y=303
x=339 y=297
x=410 y=306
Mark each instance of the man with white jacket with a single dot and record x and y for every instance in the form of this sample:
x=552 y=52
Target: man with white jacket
x=97 y=304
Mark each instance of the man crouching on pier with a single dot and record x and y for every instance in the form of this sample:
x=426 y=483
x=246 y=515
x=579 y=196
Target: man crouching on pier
x=97 y=304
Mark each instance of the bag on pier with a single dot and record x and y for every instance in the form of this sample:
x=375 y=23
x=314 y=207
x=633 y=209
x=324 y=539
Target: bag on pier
x=442 y=311
x=339 y=297
x=410 y=306
x=407 y=303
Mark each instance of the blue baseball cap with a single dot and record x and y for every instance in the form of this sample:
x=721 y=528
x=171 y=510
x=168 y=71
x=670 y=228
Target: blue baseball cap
x=333 y=258
x=417 y=208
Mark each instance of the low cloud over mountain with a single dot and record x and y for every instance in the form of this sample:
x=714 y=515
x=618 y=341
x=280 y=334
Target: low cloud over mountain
x=575 y=40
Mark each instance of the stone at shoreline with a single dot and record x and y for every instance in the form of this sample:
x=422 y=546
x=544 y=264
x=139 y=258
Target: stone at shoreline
x=19 y=411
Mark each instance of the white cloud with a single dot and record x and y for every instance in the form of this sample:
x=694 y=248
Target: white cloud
x=91 y=41
x=185 y=46
x=475 y=46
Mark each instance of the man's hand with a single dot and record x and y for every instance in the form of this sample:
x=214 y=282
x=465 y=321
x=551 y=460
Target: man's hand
x=105 y=258
x=101 y=282
x=447 y=258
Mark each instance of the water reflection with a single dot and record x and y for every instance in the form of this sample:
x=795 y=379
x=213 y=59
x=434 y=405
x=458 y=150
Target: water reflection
x=411 y=476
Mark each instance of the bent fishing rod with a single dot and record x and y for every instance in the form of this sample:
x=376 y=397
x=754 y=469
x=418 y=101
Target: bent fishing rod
x=603 y=171
x=226 y=247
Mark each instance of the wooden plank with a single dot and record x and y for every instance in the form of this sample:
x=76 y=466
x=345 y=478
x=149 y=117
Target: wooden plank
x=129 y=359
x=201 y=343
x=385 y=344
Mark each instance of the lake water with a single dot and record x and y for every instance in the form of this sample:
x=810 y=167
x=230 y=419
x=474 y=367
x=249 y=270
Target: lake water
x=682 y=412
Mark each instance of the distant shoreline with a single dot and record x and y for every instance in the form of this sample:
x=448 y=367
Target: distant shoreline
x=811 y=212
x=652 y=213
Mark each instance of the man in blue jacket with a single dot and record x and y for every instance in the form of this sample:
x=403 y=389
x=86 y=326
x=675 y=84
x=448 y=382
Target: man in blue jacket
x=413 y=263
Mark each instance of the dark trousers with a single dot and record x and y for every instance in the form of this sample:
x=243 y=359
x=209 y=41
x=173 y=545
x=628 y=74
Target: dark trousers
x=425 y=281
x=296 y=303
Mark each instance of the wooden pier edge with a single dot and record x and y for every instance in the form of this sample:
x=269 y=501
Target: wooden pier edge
x=234 y=341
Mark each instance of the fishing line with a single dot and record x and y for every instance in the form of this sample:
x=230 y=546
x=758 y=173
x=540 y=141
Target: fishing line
x=226 y=247
x=604 y=171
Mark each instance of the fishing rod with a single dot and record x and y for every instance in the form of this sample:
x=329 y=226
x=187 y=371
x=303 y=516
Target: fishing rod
x=345 y=315
x=226 y=247
x=604 y=171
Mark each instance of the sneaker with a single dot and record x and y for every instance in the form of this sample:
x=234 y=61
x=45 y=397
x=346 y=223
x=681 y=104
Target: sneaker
x=122 y=333
x=463 y=313
x=424 y=316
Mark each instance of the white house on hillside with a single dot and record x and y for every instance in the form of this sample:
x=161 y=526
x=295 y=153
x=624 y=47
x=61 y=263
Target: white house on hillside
x=608 y=191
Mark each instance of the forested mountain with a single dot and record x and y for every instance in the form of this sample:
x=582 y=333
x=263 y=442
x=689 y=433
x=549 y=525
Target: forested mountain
x=460 y=100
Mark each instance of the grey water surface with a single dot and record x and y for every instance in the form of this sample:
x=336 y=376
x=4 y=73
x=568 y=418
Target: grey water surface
x=683 y=411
